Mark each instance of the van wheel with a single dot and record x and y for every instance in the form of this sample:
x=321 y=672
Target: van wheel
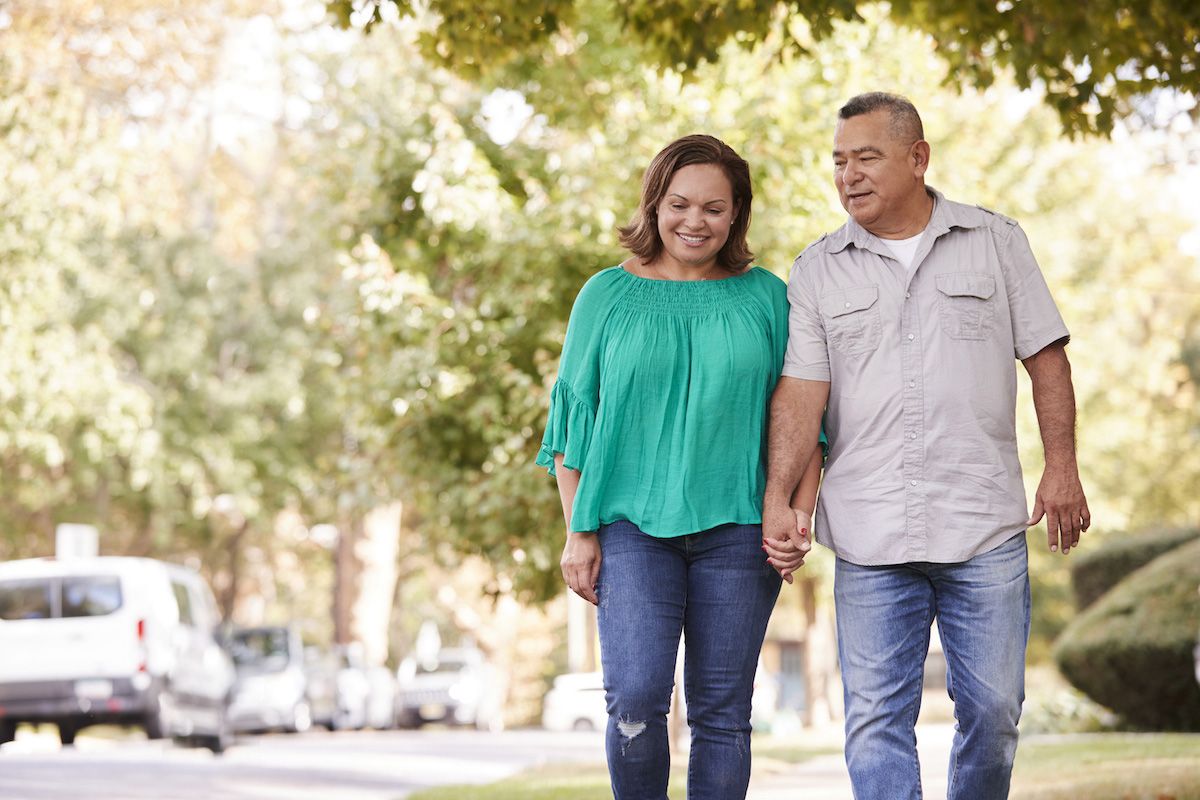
x=8 y=730
x=66 y=732
x=155 y=721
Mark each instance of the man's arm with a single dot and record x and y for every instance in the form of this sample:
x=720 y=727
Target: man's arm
x=795 y=426
x=1060 y=494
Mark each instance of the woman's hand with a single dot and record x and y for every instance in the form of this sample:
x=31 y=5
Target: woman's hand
x=580 y=564
x=787 y=555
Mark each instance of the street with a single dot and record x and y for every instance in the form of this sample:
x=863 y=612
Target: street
x=348 y=765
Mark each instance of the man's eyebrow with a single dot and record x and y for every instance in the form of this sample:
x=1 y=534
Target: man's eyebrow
x=866 y=148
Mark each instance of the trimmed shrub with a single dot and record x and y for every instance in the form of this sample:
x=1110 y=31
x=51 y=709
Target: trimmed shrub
x=1094 y=572
x=1132 y=650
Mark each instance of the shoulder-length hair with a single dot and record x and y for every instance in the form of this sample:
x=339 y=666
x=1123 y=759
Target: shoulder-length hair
x=641 y=237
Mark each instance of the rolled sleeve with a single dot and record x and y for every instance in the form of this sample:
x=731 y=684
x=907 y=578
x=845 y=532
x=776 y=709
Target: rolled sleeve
x=807 y=355
x=1035 y=317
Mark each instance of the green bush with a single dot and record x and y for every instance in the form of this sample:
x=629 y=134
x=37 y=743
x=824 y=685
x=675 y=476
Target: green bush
x=1132 y=650
x=1096 y=571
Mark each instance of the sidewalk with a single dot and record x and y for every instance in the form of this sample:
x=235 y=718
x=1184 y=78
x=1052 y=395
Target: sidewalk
x=825 y=777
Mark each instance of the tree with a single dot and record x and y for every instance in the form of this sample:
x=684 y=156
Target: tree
x=1094 y=61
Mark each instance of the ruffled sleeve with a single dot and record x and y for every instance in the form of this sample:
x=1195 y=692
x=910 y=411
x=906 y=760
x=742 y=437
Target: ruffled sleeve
x=568 y=429
x=576 y=393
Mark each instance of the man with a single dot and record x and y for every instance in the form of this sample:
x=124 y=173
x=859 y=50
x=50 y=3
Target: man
x=905 y=323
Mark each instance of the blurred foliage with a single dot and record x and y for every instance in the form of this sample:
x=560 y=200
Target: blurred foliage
x=1094 y=61
x=1096 y=571
x=278 y=269
x=1132 y=650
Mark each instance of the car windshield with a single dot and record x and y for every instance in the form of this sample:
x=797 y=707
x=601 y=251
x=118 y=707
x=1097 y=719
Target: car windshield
x=260 y=649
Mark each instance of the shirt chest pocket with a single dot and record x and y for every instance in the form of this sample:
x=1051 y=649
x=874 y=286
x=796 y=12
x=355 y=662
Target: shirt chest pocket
x=967 y=307
x=851 y=317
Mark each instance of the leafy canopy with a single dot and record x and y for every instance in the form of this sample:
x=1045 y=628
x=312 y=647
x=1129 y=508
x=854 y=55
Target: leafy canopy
x=1095 y=60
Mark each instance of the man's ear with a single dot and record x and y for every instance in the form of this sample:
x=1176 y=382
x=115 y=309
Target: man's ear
x=920 y=157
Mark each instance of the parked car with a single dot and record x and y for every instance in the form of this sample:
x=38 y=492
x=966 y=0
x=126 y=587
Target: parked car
x=126 y=641
x=338 y=687
x=575 y=702
x=456 y=687
x=272 y=684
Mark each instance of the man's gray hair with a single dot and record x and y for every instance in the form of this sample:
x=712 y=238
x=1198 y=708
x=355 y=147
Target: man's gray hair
x=904 y=123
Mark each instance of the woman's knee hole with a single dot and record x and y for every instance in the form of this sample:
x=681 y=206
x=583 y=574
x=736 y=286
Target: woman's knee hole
x=630 y=729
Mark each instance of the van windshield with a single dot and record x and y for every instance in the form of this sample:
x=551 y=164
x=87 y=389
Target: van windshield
x=52 y=598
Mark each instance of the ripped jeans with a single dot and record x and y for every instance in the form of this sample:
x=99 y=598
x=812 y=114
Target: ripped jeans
x=717 y=589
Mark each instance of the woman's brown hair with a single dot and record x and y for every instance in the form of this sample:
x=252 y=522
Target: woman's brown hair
x=641 y=237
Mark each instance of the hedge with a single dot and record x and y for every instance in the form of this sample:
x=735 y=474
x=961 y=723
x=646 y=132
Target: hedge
x=1132 y=650
x=1095 y=571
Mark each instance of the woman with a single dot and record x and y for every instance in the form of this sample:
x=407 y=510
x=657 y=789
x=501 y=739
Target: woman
x=657 y=437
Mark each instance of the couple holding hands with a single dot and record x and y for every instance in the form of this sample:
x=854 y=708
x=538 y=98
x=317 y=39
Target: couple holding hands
x=699 y=399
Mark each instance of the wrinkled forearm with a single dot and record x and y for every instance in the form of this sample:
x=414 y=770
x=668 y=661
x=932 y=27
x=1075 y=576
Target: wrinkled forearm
x=1054 y=401
x=795 y=426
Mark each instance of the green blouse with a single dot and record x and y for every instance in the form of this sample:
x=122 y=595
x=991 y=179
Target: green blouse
x=662 y=399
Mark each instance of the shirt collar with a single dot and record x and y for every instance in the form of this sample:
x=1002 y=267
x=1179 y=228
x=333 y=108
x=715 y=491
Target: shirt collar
x=946 y=215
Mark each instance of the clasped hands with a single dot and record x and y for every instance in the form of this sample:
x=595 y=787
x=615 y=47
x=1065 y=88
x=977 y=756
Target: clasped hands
x=786 y=539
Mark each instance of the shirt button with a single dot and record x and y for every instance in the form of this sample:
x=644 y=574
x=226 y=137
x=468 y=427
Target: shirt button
x=907 y=295
x=912 y=384
x=910 y=337
x=912 y=436
x=847 y=305
x=914 y=483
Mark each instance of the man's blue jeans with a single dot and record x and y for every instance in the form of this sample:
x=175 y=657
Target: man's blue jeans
x=883 y=620
x=717 y=589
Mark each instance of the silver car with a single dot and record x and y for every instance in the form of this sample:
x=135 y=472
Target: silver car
x=272 y=685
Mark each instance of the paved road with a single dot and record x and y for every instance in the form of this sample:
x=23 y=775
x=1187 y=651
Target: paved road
x=349 y=765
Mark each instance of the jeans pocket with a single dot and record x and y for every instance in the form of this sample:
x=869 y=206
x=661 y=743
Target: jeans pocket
x=967 y=309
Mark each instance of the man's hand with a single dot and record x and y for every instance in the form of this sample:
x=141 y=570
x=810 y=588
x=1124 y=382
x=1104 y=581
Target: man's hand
x=786 y=555
x=580 y=564
x=1060 y=500
x=779 y=520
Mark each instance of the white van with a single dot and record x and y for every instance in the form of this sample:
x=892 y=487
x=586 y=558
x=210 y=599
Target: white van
x=128 y=641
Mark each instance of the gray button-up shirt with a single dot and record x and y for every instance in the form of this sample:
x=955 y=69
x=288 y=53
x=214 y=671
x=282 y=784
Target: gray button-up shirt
x=922 y=464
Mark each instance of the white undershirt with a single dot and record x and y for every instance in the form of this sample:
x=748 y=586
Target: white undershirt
x=904 y=249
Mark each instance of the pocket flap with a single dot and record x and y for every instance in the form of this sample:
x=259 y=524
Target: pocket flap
x=847 y=301
x=966 y=284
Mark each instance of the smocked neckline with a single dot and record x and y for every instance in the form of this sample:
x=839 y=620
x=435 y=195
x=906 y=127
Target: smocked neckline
x=688 y=298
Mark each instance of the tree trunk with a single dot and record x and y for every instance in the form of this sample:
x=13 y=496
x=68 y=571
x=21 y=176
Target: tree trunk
x=365 y=580
x=376 y=551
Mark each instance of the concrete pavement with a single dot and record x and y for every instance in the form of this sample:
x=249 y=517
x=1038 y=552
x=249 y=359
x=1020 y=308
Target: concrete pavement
x=825 y=777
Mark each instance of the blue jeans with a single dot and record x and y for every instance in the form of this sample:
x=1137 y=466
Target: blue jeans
x=717 y=589
x=883 y=619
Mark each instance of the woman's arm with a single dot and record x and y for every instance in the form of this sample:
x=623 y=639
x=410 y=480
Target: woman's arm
x=580 y=562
